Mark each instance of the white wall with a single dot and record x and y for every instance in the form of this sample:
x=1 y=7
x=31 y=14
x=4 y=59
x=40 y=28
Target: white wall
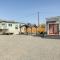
x=3 y=26
x=11 y=29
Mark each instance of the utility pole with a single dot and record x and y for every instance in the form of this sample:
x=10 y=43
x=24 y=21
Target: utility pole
x=38 y=18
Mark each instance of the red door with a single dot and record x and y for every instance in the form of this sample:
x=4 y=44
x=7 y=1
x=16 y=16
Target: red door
x=53 y=29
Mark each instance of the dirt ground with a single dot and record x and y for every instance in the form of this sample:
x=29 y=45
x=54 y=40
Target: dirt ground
x=22 y=47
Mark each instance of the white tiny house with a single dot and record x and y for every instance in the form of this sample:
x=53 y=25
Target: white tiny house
x=9 y=27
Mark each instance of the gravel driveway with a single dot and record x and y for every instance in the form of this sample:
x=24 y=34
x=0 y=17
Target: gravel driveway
x=22 y=47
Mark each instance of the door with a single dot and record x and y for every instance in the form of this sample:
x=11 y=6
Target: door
x=53 y=28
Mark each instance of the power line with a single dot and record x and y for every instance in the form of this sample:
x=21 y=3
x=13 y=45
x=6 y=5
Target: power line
x=29 y=17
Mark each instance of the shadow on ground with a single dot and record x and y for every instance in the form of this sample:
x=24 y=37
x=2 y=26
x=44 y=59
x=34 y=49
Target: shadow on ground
x=48 y=37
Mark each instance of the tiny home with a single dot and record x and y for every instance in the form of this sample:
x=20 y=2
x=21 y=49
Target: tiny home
x=9 y=27
x=53 y=25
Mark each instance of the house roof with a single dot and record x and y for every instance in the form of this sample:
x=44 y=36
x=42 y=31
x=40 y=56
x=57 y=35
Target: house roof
x=8 y=21
x=57 y=18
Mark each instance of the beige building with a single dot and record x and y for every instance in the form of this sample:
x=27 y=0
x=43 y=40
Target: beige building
x=22 y=28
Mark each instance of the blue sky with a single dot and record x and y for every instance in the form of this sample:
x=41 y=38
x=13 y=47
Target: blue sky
x=26 y=10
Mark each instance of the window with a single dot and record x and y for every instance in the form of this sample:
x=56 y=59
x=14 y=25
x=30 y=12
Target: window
x=16 y=27
x=3 y=24
x=10 y=25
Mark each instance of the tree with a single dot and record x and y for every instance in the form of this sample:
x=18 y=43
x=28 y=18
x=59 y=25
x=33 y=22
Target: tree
x=35 y=27
x=42 y=25
x=30 y=25
x=26 y=28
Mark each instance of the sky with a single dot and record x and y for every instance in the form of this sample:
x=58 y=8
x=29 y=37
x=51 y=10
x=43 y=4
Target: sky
x=26 y=11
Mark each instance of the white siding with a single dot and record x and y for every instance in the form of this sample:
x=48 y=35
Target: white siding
x=3 y=26
x=11 y=29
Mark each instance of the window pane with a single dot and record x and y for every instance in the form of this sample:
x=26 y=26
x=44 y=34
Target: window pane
x=3 y=24
x=16 y=27
x=10 y=25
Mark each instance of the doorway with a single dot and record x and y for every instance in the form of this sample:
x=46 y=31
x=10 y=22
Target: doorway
x=53 y=29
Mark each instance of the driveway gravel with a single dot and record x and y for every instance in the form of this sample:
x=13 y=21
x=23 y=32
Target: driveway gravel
x=23 y=47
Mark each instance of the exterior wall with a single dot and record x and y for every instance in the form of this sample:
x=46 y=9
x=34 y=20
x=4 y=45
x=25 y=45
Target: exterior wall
x=9 y=29
x=29 y=30
x=3 y=25
x=33 y=30
x=23 y=29
x=59 y=28
x=50 y=21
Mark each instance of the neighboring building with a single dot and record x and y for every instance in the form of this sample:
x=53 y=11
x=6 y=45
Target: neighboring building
x=53 y=25
x=27 y=29
x=22 y=28
x=32 y=29
x=9 y=27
